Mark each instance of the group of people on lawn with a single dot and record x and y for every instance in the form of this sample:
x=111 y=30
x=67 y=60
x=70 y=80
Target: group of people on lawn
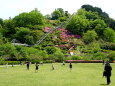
x=106 y=73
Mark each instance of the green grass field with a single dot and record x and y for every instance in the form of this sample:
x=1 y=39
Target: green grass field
x=83 y=74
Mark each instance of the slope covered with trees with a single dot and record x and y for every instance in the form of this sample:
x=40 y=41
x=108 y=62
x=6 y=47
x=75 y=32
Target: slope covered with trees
x=89 y=35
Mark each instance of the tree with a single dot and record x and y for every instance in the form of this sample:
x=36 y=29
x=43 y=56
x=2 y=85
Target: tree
x=59 y=56
x=88 y=7
x=99 y=26
x=88 y=14
x=57 y=13
x=1 y=21
x=50 y=50
x=89 y=36
x=28 y=19
x=23 y=35
x=7 y=51
x=37 y=34
x=103 y=15
x=112 y=24
x=78 y=24
x=48 y=16
x=8 y=28
x=109 y=35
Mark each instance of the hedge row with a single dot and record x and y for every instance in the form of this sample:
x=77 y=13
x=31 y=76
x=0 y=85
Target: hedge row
x=9 y=62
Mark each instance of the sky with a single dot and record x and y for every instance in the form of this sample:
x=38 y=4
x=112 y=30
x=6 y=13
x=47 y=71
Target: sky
x=12 y=8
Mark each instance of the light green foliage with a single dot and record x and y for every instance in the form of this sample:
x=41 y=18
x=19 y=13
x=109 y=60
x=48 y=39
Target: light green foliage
x=103 y=15
x=28 y=19
x=95 y=47
x=107 y=45
x=78 y=24
x=59 y=56
x=8 y=28
x=99 y=56
x=99 y=26
x=109 y=35
x=88 y=14
x=111 y=56
x=47 y=16
x=76 y=57
x=59 y=12
x=42 y=54
x=50 y=50
x=89 y=37
x=7 y=51
x=24 y=35
x=37 y=34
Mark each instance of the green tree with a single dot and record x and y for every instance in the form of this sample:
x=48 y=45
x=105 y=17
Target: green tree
x=28 y=19
x=112 y=24
x=23 y=35
x=109 y=35
x=99 y=56
x=99 y=26
x=89 y=36
x=1 y=21
x=59 y=56
x=37 y=34
x=7 y=51
x=57 y=13
x=8 y=28
x=50 y=50
x=78 y=24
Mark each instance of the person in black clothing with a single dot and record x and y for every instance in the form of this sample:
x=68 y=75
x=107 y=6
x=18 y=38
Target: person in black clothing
x=70 y=66
x=36 y=70
x=28 y=65
x=107 y=72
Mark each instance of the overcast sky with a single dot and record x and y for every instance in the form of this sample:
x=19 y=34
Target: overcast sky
x=11 y=8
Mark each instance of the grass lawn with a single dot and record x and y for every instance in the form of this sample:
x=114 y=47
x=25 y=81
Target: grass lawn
x=83 y=74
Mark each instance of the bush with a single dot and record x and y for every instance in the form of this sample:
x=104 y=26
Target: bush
x=108 y=45
x=9 y=62
x=111 y=56
x=99 y=56
x=76 y=57
x=48 y=61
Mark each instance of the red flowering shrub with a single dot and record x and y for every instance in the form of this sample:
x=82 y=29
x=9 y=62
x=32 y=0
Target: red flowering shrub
x=47 y=29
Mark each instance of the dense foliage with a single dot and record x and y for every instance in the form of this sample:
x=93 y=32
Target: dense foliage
x=89 y=35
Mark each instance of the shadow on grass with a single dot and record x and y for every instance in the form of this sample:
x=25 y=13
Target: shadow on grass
x=103 y=84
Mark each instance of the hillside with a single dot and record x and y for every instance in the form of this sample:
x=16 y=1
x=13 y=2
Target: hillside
x=89 y=34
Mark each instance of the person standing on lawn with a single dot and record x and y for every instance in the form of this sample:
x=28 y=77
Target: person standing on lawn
x=37 y=65
x=28 y=64
x=107 y=72
x=52 y=66
x=70 y=66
